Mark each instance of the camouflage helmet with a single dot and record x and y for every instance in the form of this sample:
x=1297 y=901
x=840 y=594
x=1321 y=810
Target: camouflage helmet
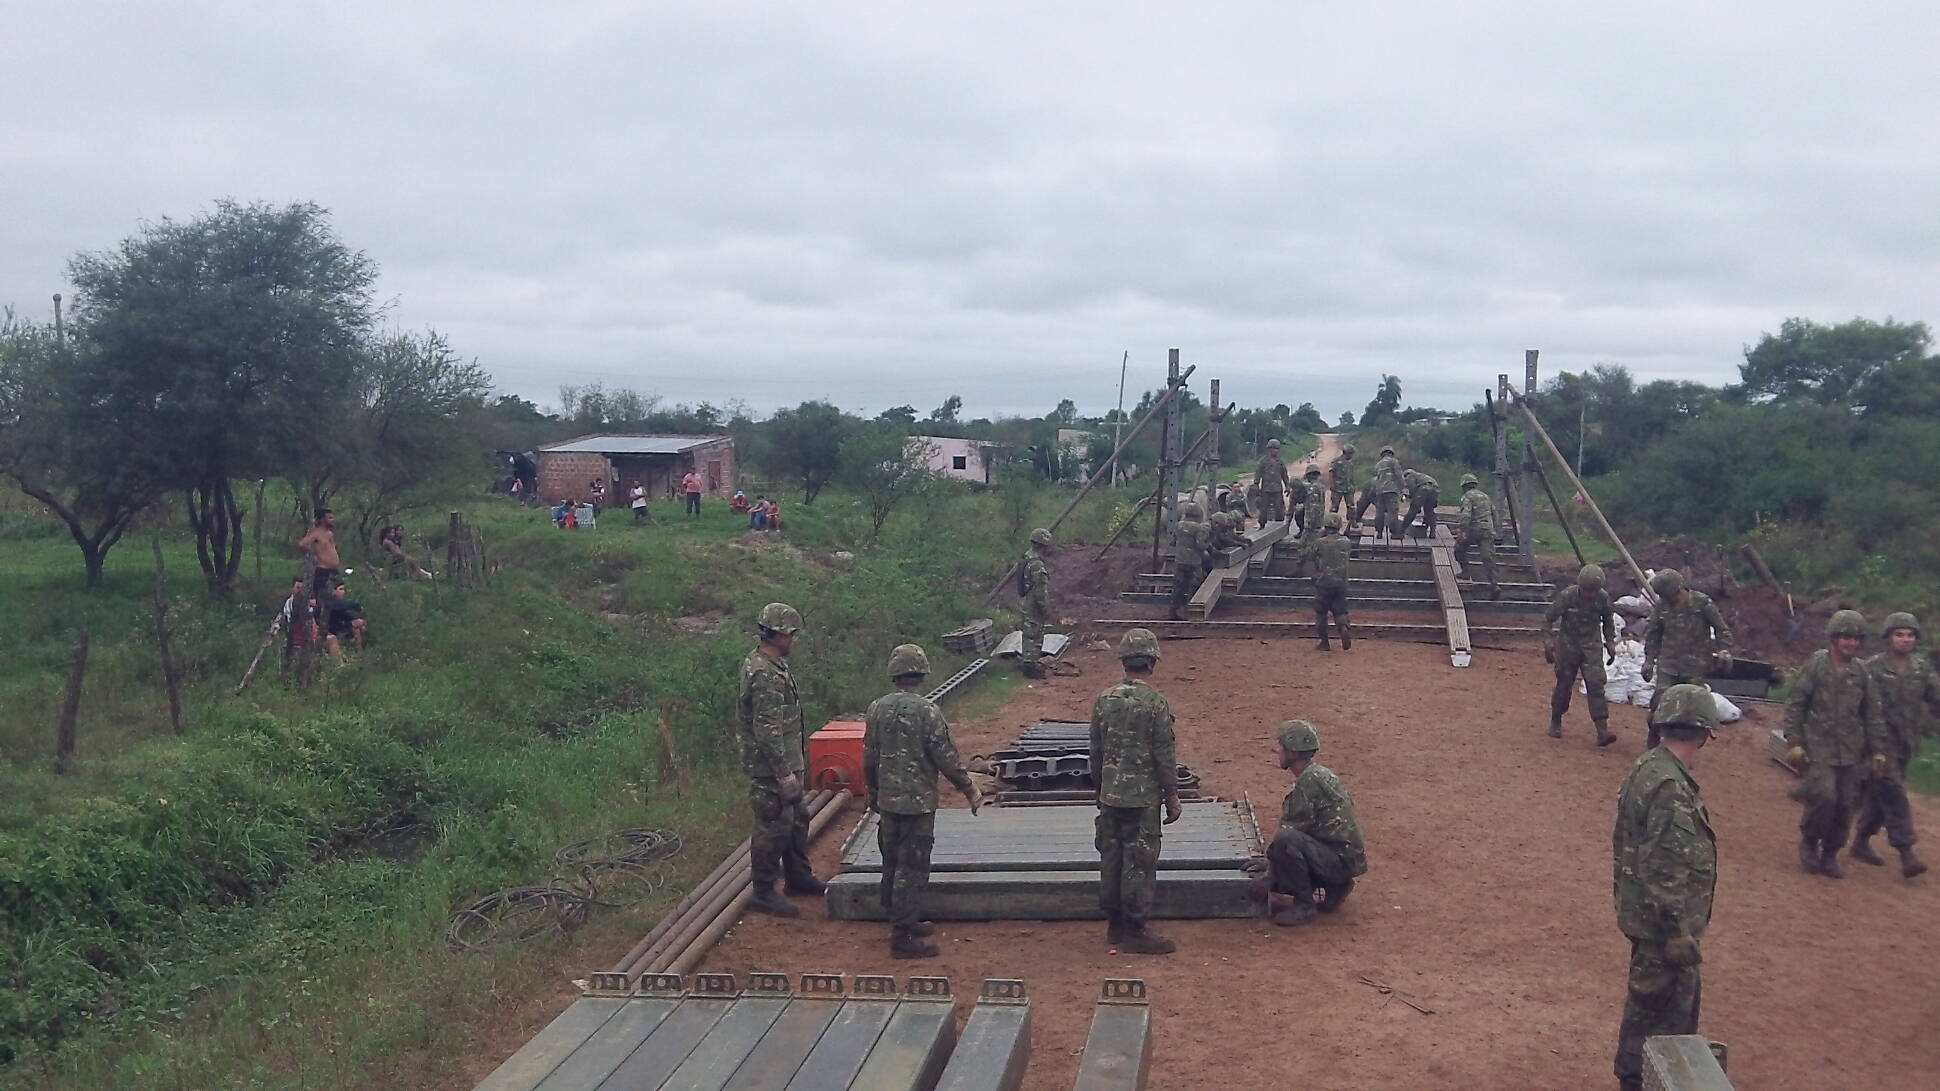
x=1590 y=576
x=1846 y=623
x=779 y=617
x=1191 y=510
x=1347 y=448
x=1298 y=737
x=1333 y=522
x=1040 y=536
x=1686 y=706
x=1408 y=477
x=1219 y=519
x=1273 y=444
x=908 y=659
x=1667 y=582
x=1138 y=642
x=1387 y=450
x=1470 y=481
x=1313 y=471
x=1899 y=620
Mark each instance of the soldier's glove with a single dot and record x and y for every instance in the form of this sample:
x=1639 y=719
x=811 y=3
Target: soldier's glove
x=1795 y=755
x=1879 y=765
x=975 y=798
x=1650 y=669
x=1549 y=653
x=1681 y=951
x=790 y=786
x=1173 y=811
x=1724 y=660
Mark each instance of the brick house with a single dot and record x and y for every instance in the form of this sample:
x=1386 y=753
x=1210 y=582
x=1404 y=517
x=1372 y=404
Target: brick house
x=658 y=462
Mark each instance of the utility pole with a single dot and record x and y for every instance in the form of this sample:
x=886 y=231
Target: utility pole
x=1171 y=454
x=60 y=334
x=1118 y=422
x=1525 y=538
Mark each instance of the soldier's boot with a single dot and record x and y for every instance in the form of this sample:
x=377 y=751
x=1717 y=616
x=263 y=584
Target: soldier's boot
x=1910 y=864
x=1604 y=736
x=1862 y=851
x=1320 y=623
x=1115 y=929
x=1336 y=894
x=1555 y=726
x=922 y=928
x=903 y=944
x=1346 y=636
x=805 y=884
x=765 y=900
x=1808 y=854
x=1293 y=910
x=1141 y=941
x=1829 y=864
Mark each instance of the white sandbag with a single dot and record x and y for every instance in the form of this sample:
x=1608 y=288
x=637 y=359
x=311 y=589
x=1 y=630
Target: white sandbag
x=1728 y=713
x=1636 y=601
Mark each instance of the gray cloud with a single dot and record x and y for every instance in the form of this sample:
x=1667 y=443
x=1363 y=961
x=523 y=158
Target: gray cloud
x=884 y=203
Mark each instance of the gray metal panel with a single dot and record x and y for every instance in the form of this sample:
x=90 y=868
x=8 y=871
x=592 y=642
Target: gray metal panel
x=1682 y=1062
x=612 y=1044
x=844 y=1046
x=567 y=1032
x=916 y=1044
x=728 y=1044
x=1042 y=895
x=786 y=1044
x=1118 y=1051
x=995 y=1046
x=630 y=445
x=668 y=1045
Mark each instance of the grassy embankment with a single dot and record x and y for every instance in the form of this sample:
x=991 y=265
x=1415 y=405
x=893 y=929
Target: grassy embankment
x=262 y=901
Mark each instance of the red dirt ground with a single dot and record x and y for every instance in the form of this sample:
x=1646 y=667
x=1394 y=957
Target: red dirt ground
x=1487 y=899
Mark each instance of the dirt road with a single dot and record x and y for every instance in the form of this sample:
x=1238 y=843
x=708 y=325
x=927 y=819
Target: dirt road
x=1488 y=899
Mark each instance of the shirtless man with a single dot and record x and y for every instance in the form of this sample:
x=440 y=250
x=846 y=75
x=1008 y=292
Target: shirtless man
x=321 y=545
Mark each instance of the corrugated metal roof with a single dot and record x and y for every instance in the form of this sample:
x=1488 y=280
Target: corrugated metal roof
x=631 y=445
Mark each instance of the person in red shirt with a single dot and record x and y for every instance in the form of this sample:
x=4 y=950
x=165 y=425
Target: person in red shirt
x=691 y=485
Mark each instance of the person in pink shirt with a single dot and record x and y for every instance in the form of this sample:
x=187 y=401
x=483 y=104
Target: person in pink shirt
x=691 y=485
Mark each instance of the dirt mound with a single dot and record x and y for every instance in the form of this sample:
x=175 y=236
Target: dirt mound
x=1703 y=566
x=1085 y=586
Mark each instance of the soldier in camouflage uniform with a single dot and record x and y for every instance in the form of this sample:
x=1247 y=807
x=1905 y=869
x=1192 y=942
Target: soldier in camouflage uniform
x=1224 y=536
x=1271 y=481
x=1686 y=636
x=1191 y=550
x=1910 y=693
x=1476 y=527
x=1664 y=870
x=1298 y=489
x=1834 y=721
x=1136 y=765
x=905 y=744
x=1384 y=496
x=1340 y=482
x=1034 y=586
x=1329 y=562
x=1424 y=496
x=1236 y=505
x=1318 y=849
x=772 y=755
x=1584 y=610
x=1314 y=511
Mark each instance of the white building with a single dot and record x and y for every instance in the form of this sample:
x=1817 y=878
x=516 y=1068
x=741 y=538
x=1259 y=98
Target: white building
x=964 y=459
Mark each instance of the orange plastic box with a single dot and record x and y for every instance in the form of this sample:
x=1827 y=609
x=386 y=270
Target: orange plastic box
x=835 y=756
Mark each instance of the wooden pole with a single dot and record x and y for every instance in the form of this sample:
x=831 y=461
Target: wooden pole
x=1643 y=585
x=453 y=552
x=260 y=484
x=169 y=677
x=1096 y=476
x=1508 y=489
x=1525 y=535
x=64 y=728
x=1562 y=518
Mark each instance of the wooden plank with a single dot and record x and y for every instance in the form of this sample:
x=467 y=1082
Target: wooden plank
x=1682 y=1062
x=729 y=1042
x=845 y=1045
x=1454 y=612
x=995 y=1046
x=1421 y=633
x=612 y=1044
x=536 y=1059
x=669 y=1044
x=916 y=1044
x=1041 y=895
x=1118 y=1050
x=789 y=1041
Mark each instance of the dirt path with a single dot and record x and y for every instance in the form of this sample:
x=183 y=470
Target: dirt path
x=1488 y=899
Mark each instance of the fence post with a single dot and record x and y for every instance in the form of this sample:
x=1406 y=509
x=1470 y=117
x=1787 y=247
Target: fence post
x=71 y=704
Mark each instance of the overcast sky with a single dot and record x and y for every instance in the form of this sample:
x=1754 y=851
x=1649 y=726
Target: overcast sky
x=893 y=202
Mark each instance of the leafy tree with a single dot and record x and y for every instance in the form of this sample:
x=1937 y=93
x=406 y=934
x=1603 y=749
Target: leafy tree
x=73 y=439
x=411 y=391
x=1304 y=419
x=1828 y=365
x=1066 y=412
x=242 y=328
x=806 y=443
x=1385 y=404
x=1347 y=419
x=901 y=414
x=947 y=412
x=883 y=466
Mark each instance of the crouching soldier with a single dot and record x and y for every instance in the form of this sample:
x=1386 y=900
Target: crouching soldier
x=905 y=744
x=1318 y=852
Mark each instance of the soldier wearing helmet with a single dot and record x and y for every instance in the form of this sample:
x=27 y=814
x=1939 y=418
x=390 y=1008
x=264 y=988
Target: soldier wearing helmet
x=1475 y=528
x=1135 y=758
x=1687 y=637
x=1909 y=693
x=1340 y=481
x=1664 y=869
x=1270 y=484
x=1191 y=557
x=1384 y=496
x=1314 y=508
x=1318 y=851
x=905 y=744
x=1424 y=496
x=1583 y=609
x=1834 y=721
x=775 y=761
x=1328 y=558
x=1236 y=505
x=1034 y=588
x=1224 y=535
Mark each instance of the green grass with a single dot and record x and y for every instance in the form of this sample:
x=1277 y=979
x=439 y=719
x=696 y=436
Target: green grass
x=230 y=908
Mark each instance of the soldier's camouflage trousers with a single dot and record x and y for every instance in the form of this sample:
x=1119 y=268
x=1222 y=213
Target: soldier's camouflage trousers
x=1663 y=682
x=1185 y=580
x=1663 y=999
x=1299 y=864
x=1884 y=804
x=905 y=841
x=778 y=847
x=1330 y=597
x=1035 y=617
x=1484 y=544
x=1571 y=661
x=1342 y=499
x=1387 y=508
x=1424 y=505
x=1128 y=858
x=1829 y=794
x=1272 y=506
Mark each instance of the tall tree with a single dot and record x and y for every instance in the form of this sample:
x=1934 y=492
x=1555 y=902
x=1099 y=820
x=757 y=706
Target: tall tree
x=1066 y=412
x=1385 y=403
x=1306 y=419
x=947 y=412
x=242 y=327
x=883 y=466
x=806 y=443
x=904 y=415
x=1828 y=365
